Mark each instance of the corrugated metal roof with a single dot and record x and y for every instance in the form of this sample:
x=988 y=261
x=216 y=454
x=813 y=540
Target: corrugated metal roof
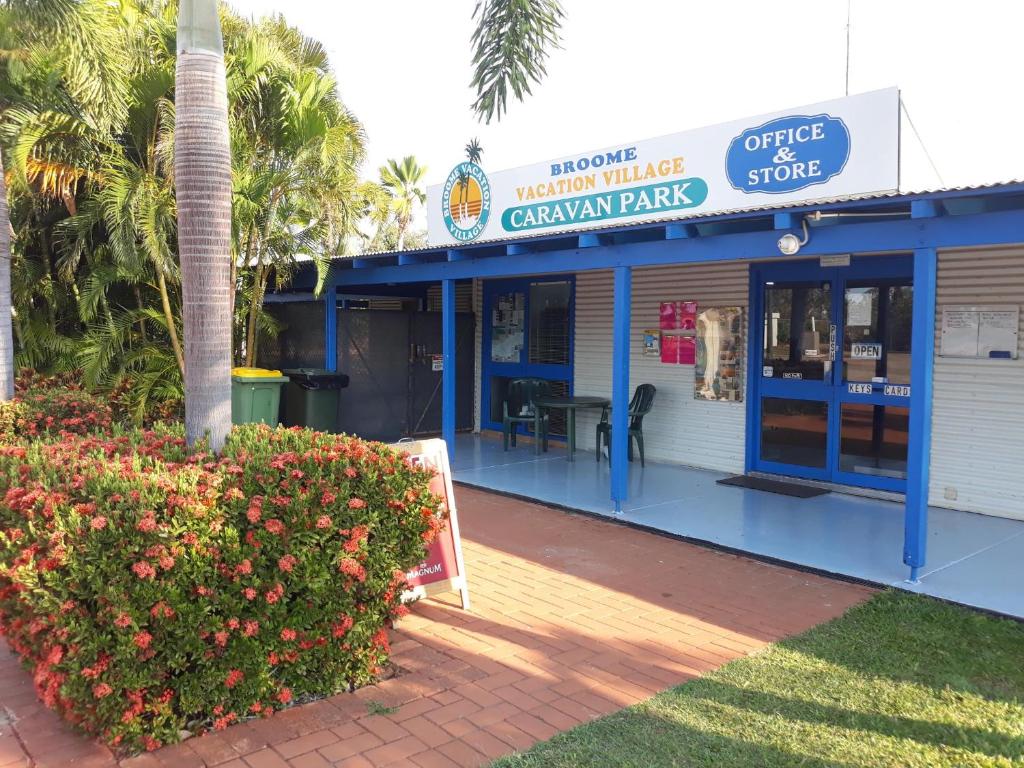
x=814 y=203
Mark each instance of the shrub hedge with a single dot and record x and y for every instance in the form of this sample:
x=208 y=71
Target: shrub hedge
x=154 y=593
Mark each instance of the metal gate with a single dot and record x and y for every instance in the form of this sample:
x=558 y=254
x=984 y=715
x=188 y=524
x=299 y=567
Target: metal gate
x=393 y=360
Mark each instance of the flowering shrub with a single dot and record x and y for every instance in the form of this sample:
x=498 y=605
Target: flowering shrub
x=52 y=406
x=152 y=592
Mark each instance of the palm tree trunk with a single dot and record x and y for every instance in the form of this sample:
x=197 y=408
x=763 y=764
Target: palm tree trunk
x=202 y=180
x=172 y=329
x=6 y=330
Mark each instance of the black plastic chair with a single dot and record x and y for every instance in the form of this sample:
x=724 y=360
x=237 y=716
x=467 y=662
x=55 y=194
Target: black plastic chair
x=639 y=406
x=518 y=409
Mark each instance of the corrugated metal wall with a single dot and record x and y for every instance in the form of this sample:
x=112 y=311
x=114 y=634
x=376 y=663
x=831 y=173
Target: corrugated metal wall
x=680 y=429
x=978 y=406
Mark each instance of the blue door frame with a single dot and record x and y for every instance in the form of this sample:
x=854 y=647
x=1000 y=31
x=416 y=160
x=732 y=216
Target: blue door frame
x=833 y=389
x=523 y=368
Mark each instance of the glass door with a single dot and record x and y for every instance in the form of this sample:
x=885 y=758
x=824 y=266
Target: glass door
x=874 y=392
x=832 y=401
x=796 y=378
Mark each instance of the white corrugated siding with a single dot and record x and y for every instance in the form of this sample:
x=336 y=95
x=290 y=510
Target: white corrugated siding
x=978 y=405
x=680 y=429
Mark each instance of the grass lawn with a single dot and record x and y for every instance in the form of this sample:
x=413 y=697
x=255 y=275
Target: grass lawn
x=901 y=680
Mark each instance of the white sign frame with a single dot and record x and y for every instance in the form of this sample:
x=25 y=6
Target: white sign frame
x=871 y=166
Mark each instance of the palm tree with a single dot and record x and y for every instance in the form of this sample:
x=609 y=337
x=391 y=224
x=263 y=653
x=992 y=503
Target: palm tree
x=402 y=180
x=6 y=322
x=202 y=180
x=87 y=68
x=473 y=153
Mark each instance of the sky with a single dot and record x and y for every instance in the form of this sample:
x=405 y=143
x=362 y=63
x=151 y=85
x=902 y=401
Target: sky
x=645 y=68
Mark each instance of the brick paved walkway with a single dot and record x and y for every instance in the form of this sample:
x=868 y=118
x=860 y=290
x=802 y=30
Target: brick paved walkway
x=572 y=618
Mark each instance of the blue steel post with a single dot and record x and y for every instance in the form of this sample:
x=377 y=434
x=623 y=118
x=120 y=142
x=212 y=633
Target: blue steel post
x=922 y=344
x=620 y=385
x=448 y=366
x=331 y=329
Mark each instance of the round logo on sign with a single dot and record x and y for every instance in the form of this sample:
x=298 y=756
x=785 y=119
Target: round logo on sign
x=466 y=201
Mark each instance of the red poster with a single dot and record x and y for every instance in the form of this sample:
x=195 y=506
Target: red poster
x=442 y=570
x=678 y=348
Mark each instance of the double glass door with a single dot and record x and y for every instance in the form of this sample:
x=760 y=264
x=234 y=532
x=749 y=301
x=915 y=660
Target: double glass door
x=833 y=393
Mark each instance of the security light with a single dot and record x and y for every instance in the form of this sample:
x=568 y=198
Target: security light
x=790 y=244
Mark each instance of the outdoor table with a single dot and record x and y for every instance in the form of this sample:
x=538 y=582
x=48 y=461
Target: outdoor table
x=569 y=405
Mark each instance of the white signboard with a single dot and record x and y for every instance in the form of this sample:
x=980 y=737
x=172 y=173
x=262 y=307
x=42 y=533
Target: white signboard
x=980 y=331
x=844 y=147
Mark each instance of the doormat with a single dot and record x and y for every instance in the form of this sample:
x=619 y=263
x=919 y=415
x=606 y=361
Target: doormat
x=774 y=486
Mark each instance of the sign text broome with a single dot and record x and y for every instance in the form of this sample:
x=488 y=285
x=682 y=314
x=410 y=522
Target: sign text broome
x=844 y=147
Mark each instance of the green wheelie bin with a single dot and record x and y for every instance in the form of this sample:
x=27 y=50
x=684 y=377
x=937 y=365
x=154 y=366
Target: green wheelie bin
x=256 y=395
x=311 y=398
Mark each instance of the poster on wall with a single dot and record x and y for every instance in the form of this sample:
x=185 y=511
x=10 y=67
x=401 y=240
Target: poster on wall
x=652 y=342
x=443 y=569
x=678 y=322
x=718 y=373
x=987 y=332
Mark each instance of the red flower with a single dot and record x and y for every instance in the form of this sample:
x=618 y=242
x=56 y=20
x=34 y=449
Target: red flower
x=144 y=570
x=323 y=522
x=254 y=514
x=232 y=623
x=288 y=634
x=233 y=493
x=351 y=567
x=220 y=638
x=274 y=526
x=284 y=695
x=147 y=523
x=101 y=690
x=98 y=523
x=356 y=503
x=327 y=499
x=250 y=593
x=234 y=678
x=244 y=567
x=166 y=562
x=123 y=621
x=287 y=563
x=190 y=538
x=251 y=628
x=142 y=639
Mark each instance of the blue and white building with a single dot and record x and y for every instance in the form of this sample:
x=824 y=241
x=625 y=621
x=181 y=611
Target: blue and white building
x=848 y=335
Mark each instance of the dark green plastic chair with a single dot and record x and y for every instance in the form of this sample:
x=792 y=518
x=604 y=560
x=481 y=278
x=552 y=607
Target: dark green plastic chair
x=639 y=406
x=518 y=409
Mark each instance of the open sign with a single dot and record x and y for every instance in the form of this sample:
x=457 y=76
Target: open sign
x=866 y=351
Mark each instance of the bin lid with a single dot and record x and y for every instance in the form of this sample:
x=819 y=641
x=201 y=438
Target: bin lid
x=257 y=374
x=319 y=378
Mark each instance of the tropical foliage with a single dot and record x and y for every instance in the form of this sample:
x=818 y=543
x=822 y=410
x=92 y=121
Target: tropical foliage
x=89 y=151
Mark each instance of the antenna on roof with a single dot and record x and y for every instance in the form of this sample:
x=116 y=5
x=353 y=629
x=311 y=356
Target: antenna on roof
x=848 y=3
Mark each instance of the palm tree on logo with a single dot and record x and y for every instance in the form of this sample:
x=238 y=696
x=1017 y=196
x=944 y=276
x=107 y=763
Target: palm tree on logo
x=473 y=153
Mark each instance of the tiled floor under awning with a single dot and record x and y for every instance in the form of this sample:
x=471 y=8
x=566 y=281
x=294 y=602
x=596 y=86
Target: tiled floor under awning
x=973 y=559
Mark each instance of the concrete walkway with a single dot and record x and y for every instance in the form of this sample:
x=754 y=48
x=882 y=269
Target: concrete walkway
x=572 y=618
x=972 y=559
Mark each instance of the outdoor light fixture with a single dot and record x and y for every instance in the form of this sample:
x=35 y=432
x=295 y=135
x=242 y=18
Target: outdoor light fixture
x=790 y=244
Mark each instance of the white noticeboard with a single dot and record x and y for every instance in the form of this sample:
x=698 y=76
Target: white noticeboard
x=980 y=331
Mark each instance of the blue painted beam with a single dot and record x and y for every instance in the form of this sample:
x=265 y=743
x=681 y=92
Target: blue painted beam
x=620 y=385
x=998 y=228
x=925 y=209
x=454 y=255
x=787 y=220
x=404 y=259
x=517 y=249
x=448 y=366
x=331 y=329
x=681 y=231
x=591 y=240
x=922 y=344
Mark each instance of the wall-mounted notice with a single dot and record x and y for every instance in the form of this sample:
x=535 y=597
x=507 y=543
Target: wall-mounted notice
x=678 y=322
x=443 y=569
x=980 y=331
x=652 y=342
